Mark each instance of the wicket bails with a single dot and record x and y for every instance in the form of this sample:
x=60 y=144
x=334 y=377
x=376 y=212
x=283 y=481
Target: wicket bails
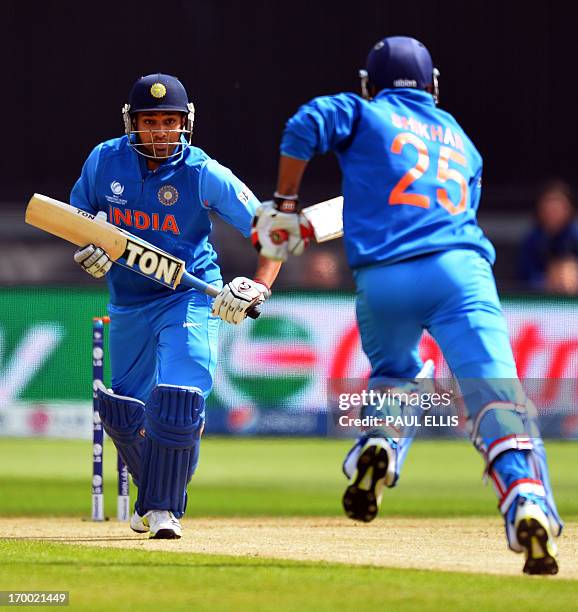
x=123 y=503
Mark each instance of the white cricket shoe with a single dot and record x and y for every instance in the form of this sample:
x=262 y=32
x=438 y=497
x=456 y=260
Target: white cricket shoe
x=137 y=523
x=163 y=525
x=535 y=536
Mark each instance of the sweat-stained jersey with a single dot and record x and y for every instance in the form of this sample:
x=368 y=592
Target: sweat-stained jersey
x=168 y=207
x=411 y=176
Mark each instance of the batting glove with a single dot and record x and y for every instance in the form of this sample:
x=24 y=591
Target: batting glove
x=276 y=234
x=93 y=260
x=237 y=297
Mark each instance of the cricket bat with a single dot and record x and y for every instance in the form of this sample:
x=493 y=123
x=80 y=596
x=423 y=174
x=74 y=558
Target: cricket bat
x=326 y=219
x=125 y=249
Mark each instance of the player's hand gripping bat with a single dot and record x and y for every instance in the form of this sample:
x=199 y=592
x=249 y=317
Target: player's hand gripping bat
x=82 y=228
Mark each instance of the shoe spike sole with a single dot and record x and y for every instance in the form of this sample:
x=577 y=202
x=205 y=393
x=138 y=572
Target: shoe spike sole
x=534 y=538
x=361 y=504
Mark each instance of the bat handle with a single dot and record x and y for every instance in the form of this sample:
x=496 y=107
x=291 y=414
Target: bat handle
x=254 y=312
x=196 y=283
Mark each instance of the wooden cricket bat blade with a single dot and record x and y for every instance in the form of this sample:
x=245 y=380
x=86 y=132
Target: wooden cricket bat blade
x=74 y=225
x=326 y=218
x=81 y=228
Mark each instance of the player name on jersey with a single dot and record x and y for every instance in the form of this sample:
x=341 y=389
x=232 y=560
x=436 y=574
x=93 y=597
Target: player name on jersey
x=434 y=132
x=127 y=217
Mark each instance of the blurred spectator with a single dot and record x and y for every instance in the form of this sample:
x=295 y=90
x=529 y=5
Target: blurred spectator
x=322 y=270
x=562 y=275
x=554 y=237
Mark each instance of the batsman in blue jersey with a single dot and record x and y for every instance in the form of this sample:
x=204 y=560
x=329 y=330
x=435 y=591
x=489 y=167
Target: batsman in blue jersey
x=411 y=187
x=163 y=343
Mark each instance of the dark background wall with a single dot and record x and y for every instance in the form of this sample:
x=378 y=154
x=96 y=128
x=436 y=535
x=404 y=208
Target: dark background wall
x=507 y=75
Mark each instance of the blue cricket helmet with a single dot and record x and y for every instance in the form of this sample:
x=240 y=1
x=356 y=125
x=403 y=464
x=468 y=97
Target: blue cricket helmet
x=158 y=93
x=400 y=61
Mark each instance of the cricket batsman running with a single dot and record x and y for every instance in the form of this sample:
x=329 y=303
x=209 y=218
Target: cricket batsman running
x=163 y=344
x=411 y=187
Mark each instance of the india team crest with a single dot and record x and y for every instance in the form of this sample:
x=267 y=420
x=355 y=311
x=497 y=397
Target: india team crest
x=158 y=90
x=168 y=195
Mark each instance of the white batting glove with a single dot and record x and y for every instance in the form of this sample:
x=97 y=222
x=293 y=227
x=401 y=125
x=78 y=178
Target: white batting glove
x=93 y=260
x=237 y=297
x=276 y=234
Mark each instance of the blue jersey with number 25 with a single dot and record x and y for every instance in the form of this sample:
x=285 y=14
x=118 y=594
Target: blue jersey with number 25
x=411 y=176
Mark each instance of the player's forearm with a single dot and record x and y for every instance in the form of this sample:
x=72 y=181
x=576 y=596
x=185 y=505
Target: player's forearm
x=290 y=174
x=267 y=270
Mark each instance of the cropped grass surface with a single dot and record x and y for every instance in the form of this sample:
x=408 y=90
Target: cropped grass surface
x=113 y=579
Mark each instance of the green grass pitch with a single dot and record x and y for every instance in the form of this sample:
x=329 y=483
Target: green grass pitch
x=264 y=477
